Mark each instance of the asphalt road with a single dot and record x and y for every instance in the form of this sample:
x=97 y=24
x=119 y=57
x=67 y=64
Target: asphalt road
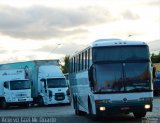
x=65 y=114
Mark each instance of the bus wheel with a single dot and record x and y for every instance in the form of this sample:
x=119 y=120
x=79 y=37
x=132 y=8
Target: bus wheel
x=91 y=115
x=139 y=114
x=77 y=111
x=90 y=110
x=4 y=104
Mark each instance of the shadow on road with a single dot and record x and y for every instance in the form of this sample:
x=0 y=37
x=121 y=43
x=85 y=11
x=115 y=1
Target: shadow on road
x=108 y=119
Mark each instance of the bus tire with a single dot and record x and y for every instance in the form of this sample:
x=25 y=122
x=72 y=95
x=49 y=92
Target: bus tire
x=91 y=115
x=139 y=115
x=77 y=111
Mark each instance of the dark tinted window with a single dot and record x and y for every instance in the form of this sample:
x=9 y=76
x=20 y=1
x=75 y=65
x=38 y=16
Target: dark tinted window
x=122 y=77
x=120 y=53
x=20 y=85
x=56 y=83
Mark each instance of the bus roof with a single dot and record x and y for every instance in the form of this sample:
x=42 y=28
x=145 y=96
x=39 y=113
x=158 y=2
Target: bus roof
x=115 y=42
x=111 y=42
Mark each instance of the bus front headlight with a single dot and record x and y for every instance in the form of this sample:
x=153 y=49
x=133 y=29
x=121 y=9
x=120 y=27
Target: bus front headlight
x=147 y=106
x=102 y=108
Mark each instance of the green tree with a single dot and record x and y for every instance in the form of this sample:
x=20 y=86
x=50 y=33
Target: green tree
x=65 y=66
x=155 y=58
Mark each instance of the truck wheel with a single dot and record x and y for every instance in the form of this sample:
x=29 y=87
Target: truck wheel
x=41 y=102
x=69 y=103
x=4 y=104
x=26 y=105
x=139 y=114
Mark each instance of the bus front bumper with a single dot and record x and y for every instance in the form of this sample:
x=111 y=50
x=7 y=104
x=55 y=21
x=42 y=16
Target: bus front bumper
x=109 y=108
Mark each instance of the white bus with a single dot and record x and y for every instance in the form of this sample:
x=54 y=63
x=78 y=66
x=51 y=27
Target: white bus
x=112 y=76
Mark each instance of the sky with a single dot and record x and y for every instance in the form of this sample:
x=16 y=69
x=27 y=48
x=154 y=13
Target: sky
x=52 y=29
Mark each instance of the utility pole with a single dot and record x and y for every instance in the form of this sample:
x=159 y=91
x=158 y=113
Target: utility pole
x=53 y=50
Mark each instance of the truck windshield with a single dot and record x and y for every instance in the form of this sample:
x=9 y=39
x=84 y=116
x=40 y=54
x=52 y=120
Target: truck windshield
x=56 y=83
x=20 y=85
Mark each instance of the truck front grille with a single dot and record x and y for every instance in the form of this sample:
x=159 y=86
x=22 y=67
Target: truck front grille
x=59 y=96
x=21 y=95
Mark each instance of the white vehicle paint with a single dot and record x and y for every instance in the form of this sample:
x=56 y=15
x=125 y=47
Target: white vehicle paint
x=49 y=85
x=53 y=85
x=112 y=76
x=15 y=89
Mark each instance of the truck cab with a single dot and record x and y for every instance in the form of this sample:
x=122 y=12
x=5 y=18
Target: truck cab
x=17 y=92
x=55 y=91
x=15 y=88
x=53 y=86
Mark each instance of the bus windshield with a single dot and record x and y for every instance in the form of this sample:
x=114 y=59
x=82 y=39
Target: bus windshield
x=20 y=85
x=126 y=77
x=56 y=83
x=120 y=53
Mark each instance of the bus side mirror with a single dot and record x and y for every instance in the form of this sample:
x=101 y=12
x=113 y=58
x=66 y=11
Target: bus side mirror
x=90 y=73
x=90 y=76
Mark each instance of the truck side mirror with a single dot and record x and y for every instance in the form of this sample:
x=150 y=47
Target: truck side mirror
x=90 y=76
x=42 y=80
x=45 y=90
x=42 y=83
x=5 y=85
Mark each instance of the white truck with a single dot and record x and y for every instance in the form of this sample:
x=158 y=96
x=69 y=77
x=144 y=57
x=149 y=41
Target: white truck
x=49 y=85
x=15 y=88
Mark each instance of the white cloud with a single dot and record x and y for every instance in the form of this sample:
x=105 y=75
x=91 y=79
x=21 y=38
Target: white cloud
x=43 y=23
x=31 y=29
x=154 y=46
